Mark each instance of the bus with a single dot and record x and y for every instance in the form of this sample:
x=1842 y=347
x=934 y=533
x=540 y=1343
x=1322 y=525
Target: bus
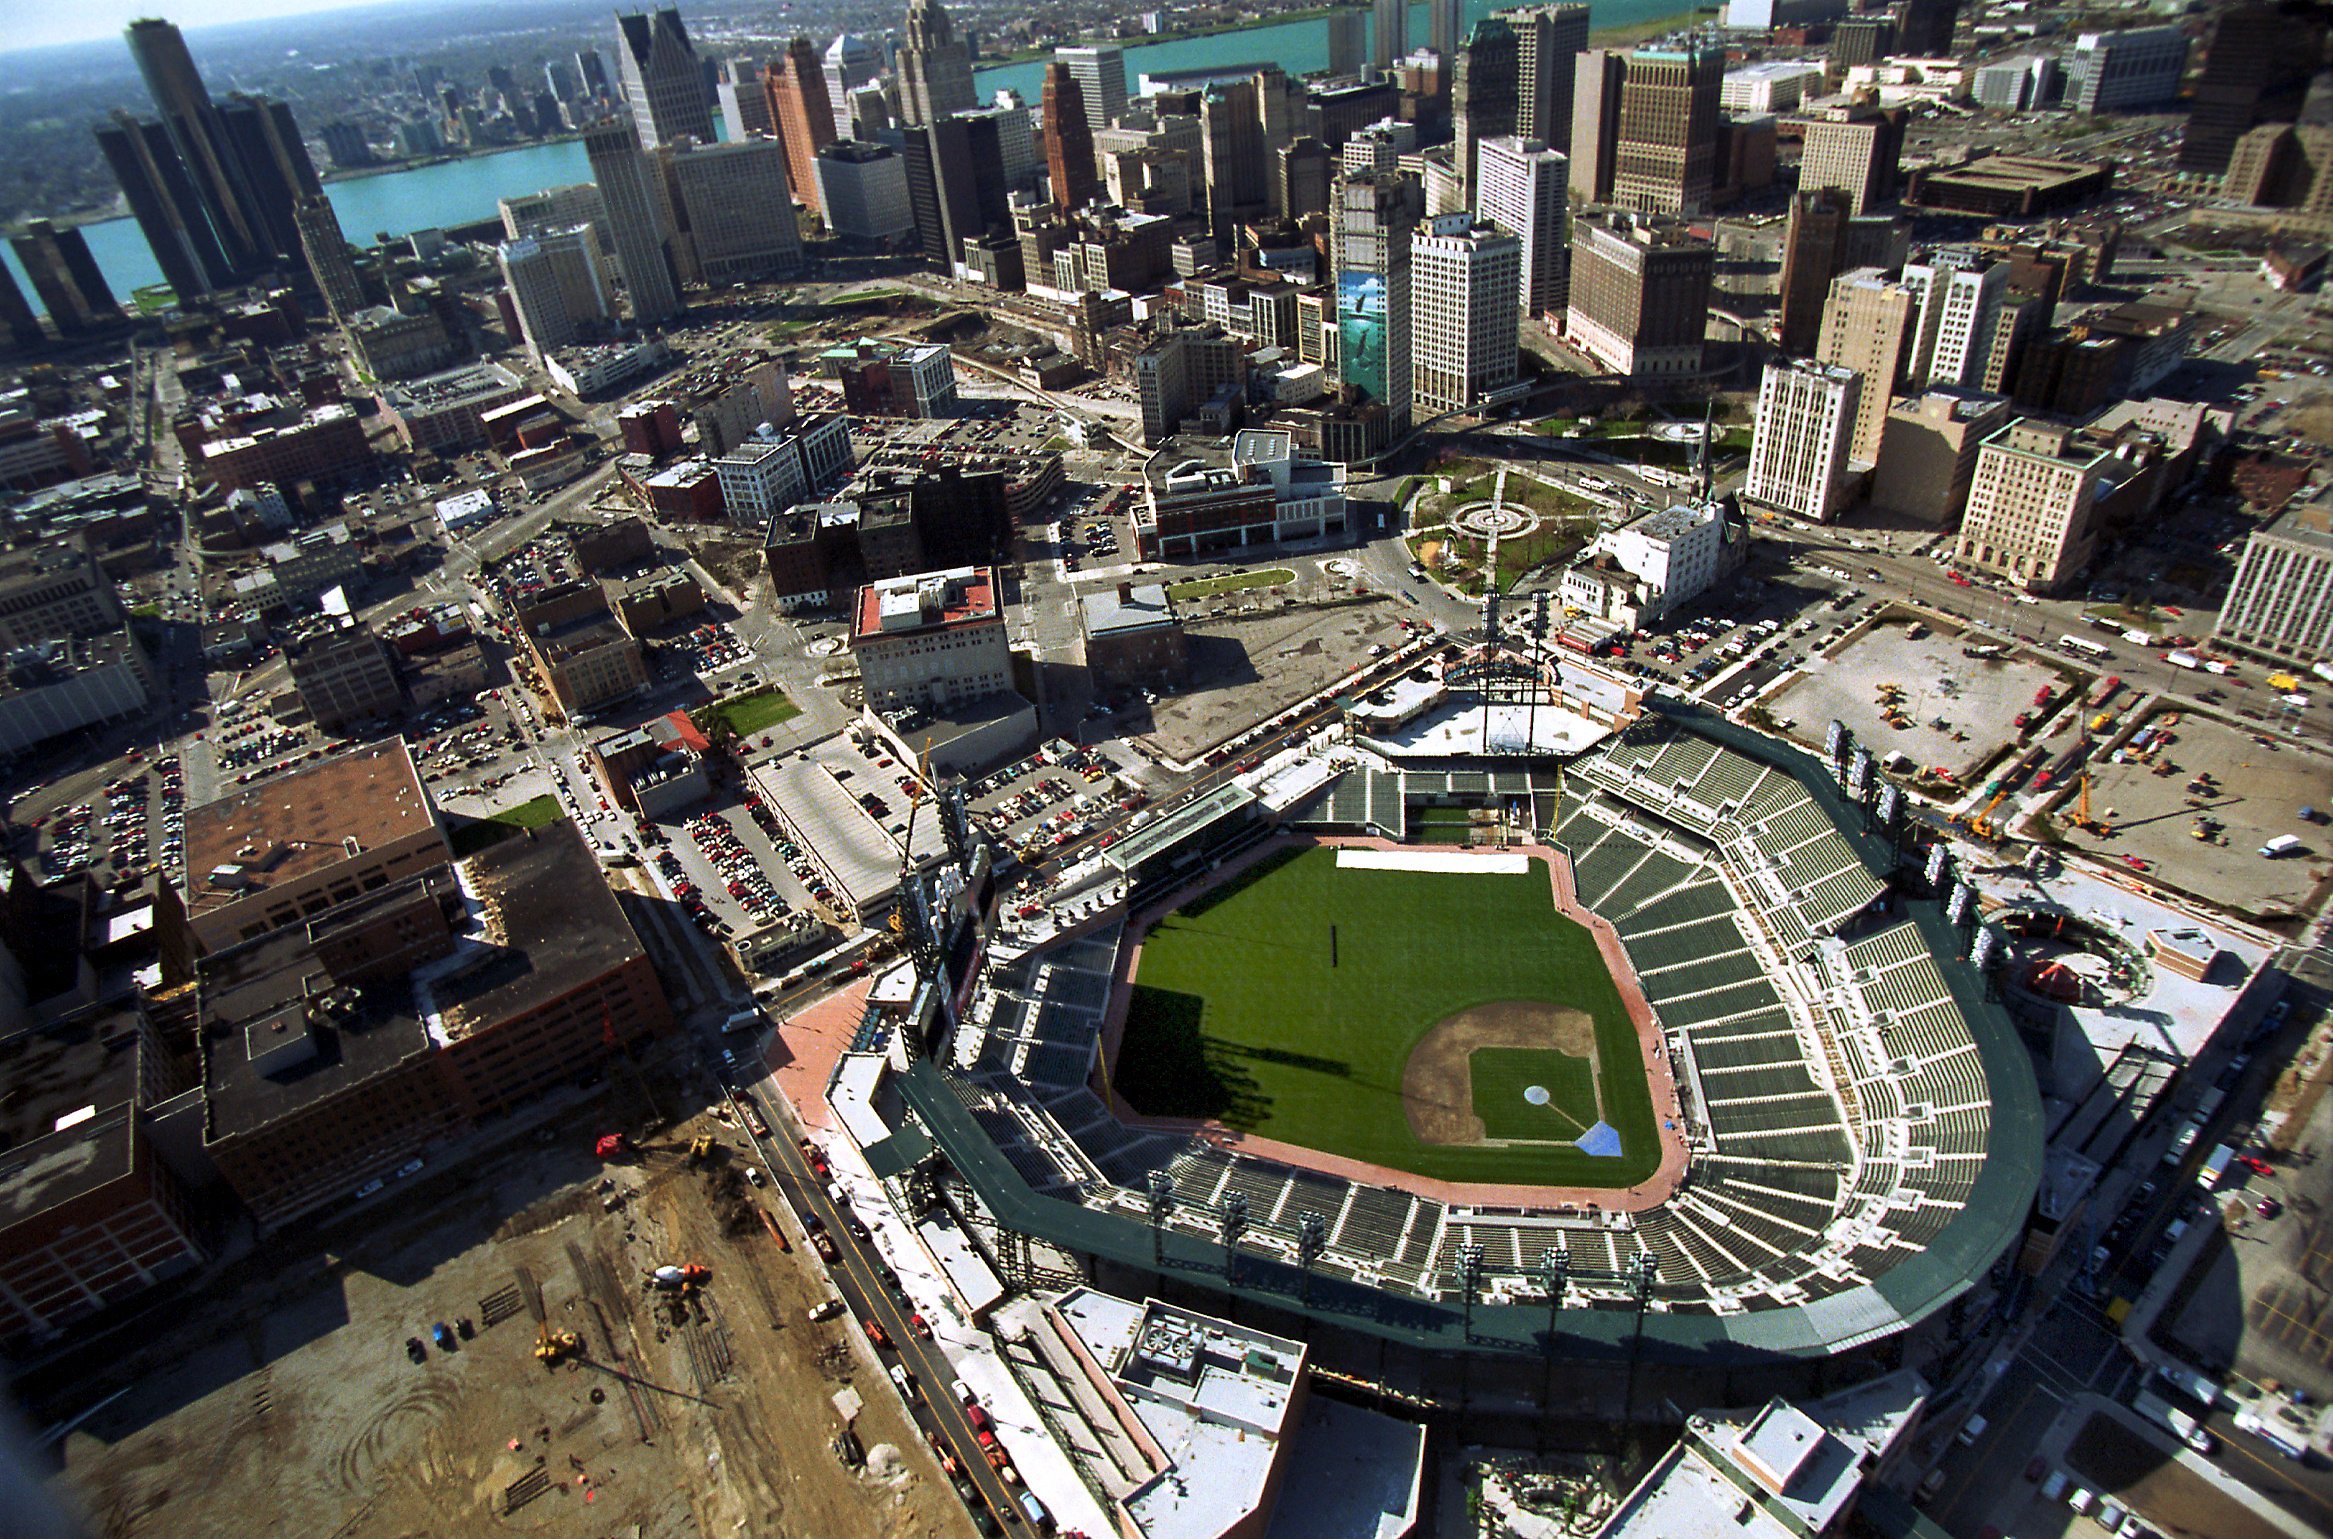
x=2083 y=647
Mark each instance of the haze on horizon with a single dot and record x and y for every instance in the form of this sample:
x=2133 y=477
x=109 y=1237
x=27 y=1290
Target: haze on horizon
x=97 y=19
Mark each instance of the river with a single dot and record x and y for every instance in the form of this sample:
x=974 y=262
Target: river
x=459 y=191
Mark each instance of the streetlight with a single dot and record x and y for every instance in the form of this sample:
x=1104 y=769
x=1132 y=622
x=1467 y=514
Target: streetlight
x=1162 y=1203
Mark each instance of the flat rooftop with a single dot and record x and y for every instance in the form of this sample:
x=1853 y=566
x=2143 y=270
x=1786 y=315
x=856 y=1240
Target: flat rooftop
x=1144 y=606
x=2015 y=172
x=65 y=1116
x=817 y=790
x=925 y=602
x=295 y=825
x=546 y=925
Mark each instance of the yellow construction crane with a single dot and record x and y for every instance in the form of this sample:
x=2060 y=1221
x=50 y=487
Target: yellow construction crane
x=1982 y=824
x=2082 y=818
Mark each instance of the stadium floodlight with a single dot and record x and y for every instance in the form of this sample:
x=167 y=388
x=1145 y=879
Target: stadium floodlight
x=1235 y=1224
x=1891 y=805
x=1987 y=949
x=1835 y=740
x=1961 y=905
x=1162 y=1203
x=1312 y=1237
x=1859 y=771
x=1933 y=872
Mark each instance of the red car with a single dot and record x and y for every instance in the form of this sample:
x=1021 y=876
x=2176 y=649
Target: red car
x=2255 y=1164
x=875 y=1333
x=2268 y=1207
x=980 y=1423
x=1958 y=580
x=918 y=1324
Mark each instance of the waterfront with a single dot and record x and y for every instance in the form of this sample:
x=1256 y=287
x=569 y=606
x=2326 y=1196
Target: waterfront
x=453 y=192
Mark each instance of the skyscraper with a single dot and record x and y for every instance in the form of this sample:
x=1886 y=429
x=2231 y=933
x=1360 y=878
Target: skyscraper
x=664 y=86
x=325 y=250
x=65 y=276
x=277 y=172
x=736 y=206
x=1869 y=327
x=162 y=198
x=851 y=61
x=1445 y=27
x=1799 y=448
x=1465 y=308
x=16 y=317
x=1597 y=77
x=1856 y=153
x=1639 y=300
x=1348 y=40
x=1482 y=95
x=1100 y=72
x=744 y=93
x=1303 y=171
x=2256 y=71
x=1665 y=160
x=1522 y=191
x=1237 y=163
x=803 y=116
x=1925 y=30
x=1376 y=221
x=1389 y=32
x=1548 y=41
x=639 y=218
x=1960 y=291
x=192 y=121
x=1814 y=249
x=557 y=287
x=2128 y=71
x=1069 y=138
x=935 y=69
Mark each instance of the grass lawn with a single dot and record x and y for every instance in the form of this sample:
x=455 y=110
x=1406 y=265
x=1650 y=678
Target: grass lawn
x=1269 y=577
x=538 y=812
x=1239 y=1014
x=1503 y=1078
x=757 y=712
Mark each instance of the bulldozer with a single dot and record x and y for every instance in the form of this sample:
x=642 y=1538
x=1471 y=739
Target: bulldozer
x=552 y=1346
x=700 y=1149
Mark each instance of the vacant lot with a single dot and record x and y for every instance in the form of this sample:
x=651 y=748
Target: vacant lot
x=1288 y=1001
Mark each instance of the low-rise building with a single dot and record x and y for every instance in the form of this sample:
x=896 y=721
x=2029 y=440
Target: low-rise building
x=1134 y=636
x=2008 y=186
x=283 y=853
x=883 y=379
x=1653 y=565
x=1202 y=495
x=447 y=411
x=67 y=683
x=593 y=369
x=396 y=344
x=656 y=768
x=314 y=445
x=342 y=672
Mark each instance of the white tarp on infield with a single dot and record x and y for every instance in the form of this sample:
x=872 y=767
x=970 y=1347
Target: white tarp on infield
x=1433 y=860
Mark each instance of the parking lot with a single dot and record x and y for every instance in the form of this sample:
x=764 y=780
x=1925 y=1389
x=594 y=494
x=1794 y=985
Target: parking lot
x=732 y=869
x=2260 y=785
x=1246 y=668
x=1049 y=798
x=1095 y=529
x=1955 y=710
x=115 y=828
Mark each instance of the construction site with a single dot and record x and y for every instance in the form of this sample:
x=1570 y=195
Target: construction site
x=630 y=1352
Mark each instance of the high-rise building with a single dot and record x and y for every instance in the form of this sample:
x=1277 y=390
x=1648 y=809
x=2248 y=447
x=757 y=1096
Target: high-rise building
x=1928 y=456
x=557 y=286
x=66 y=278
x=1348 y=41
x=1858 y=156
x=1869 y=327
x=2256 y=70
x=1862 y=40
x=345 y=143
x=1445 y=26
x=1597 y=77
x=23 y=328
x=851 y=62
x=744 y=93
x=1548 y=41
x=943 y=189
x=2031 y=505
x=1389 y=32
x=1924 y=28
x=1181 y=368
x=1960 y=291
x=557 y=208
x=869 y=115
x=863 y=188
x=192 y=121
x=738 y=209
x=1639 y=298
x=1800 y=446
x=1069 y=138
x=664 y=86
x=326 y=251
x=1522 y=192
x=1814 y=252
x=2129 y=71
x=935 y=67
x=639 y=218
x=2281 y=603
x=1304 y=171
x=1482 y=95
x=1665 y=160
x=1376 y=223
x=1465 y=312
x=803 y=116
x=591 y=71
x=164 y=201
x=277 y=172
x=1237 y=163
x=1100 y=72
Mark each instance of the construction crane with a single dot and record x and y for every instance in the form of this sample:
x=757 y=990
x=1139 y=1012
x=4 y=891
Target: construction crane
x=2082 y=818
x=1982 y=824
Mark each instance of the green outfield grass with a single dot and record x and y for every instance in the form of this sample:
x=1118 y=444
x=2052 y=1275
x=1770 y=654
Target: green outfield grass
x=1502 y=1078
x=1239 y=1014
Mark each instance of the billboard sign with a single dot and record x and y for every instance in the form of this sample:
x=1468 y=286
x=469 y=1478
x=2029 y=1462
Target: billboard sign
x=1361 y=331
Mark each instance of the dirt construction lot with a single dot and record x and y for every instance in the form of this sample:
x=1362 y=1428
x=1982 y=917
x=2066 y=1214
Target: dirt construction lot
x=306 y=1416
x=2261 y=789
x=1246 y=668
x=1975 y=699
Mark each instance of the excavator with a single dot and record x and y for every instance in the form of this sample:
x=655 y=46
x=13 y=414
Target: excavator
x=1981 y=825
x=551 y=1346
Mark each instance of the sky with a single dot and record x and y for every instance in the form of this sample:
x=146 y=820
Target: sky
x=30 y=24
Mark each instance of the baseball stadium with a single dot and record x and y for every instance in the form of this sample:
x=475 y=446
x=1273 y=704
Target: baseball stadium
x=1659 y=1049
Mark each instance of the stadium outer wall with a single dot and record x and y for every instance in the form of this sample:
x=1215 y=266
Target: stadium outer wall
x=1660 y=1073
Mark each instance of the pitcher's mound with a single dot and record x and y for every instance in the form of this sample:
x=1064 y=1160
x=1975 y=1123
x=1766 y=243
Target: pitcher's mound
x=1436 y=1085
